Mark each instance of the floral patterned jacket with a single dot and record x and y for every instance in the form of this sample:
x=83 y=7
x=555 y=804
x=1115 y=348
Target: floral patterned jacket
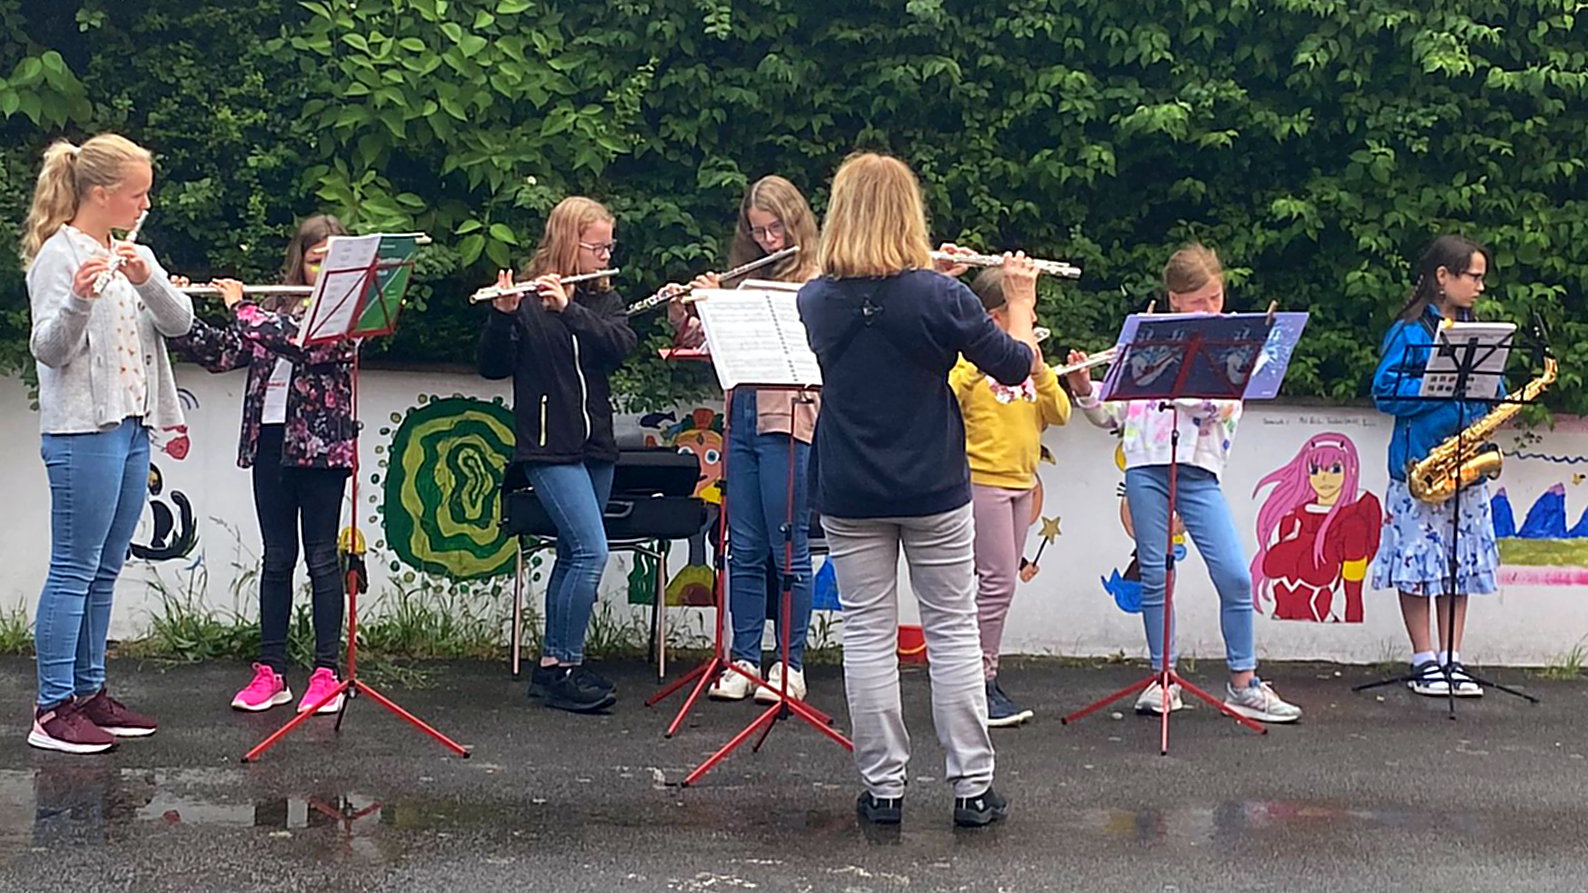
x=320 y=429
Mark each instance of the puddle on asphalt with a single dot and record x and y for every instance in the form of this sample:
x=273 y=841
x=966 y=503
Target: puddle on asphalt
x=74 y=805
x=77 y=805
x=1241 y=819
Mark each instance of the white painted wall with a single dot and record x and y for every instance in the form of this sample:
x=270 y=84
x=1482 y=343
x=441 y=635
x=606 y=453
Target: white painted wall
x=1063 y=611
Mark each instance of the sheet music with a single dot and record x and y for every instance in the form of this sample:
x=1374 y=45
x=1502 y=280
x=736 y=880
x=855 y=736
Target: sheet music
x=757 y=338
x=339 y=291
x=771 y=285
x=1490 y=347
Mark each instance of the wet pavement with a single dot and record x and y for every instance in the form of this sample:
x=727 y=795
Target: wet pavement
x=1372 y=792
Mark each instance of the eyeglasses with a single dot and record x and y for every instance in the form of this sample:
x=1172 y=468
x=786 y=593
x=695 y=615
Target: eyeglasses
x=761 y=232
x=1475 y=277
x=603 y=250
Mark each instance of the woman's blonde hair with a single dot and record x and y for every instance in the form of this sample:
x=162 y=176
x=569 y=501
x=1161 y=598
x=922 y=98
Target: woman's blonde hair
x=876 y=221
x=1191 y=268
x=778 y=197
x=558 y=251
x=69 y=172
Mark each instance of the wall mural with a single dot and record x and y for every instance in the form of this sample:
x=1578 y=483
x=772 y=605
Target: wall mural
x=1125 y=585
x=1316 y=534
x=1548 y=549
x=700 y=434
x=169 y=528
x=441 y=472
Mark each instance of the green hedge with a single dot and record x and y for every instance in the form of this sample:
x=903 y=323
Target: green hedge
x=1317 y=143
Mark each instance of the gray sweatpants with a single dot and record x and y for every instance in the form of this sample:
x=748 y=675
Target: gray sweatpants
x=940 y=552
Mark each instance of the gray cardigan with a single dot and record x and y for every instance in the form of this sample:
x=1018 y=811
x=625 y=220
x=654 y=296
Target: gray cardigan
x=74 y=339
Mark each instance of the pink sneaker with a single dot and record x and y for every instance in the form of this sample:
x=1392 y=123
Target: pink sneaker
x=266 y=691
x=321 y=683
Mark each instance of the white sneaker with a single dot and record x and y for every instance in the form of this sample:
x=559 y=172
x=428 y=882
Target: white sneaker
x=1151 y=699
x=774 y=685
x=731 y=686
x=1258 y=701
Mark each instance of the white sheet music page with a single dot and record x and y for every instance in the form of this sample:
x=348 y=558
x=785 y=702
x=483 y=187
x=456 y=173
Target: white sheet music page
x=756 y=338
x=344 y=274
x=1485 y=362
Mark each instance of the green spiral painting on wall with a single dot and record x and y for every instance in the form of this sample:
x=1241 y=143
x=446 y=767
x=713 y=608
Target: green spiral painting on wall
x=442 y=470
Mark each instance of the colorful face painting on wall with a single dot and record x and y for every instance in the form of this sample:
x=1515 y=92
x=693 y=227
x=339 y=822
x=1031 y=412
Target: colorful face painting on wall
x=1316 y=534
x=700 y=434
x=1545 y=550
x=439 y=506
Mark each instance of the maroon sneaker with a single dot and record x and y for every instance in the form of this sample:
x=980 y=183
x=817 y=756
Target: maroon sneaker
x=114 y=717
x=65 y=728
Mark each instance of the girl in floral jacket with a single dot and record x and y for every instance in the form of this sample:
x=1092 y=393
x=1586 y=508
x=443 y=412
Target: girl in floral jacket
x=298 y=436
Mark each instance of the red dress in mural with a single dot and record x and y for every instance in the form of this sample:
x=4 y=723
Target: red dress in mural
x=1305 y=577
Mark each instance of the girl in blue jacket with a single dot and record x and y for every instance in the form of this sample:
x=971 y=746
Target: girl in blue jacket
x=1414 y=558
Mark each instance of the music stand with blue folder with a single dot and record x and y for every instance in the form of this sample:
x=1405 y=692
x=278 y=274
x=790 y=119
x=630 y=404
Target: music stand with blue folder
x=1166 y=358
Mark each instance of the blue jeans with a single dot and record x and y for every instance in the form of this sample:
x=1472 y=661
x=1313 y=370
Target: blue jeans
x=98 y=485
x=1201 y=505
x=758 y=514
x=574 y=495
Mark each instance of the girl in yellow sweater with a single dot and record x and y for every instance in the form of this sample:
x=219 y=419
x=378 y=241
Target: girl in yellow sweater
x=1003 y=441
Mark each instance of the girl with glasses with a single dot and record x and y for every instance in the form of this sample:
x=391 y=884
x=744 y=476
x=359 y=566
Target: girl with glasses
x=559 y=346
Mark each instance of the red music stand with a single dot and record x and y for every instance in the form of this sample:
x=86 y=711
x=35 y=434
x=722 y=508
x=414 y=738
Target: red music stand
x=1169 y=358
x=764 y=342
x=358 y=295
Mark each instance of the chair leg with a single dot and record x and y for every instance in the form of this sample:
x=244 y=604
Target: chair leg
x=517 y=632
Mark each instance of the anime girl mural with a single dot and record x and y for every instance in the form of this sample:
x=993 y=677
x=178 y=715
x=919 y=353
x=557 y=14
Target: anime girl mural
x=1316 y=534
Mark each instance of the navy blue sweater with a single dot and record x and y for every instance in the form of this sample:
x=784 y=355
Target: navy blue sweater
x=889 y=440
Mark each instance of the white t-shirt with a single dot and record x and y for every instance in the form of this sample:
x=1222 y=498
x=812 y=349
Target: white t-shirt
x=276 y=393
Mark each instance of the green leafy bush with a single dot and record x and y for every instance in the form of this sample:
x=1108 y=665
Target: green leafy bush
x=1317 y=143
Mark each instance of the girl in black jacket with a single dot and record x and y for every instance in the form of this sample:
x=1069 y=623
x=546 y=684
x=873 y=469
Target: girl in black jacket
x=559 y=344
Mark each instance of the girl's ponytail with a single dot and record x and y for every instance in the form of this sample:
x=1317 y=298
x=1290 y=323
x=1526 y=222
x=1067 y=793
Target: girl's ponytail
x=69 y=172
x=54 y=198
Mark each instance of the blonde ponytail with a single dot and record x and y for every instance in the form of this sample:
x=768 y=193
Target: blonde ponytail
x=69 y=172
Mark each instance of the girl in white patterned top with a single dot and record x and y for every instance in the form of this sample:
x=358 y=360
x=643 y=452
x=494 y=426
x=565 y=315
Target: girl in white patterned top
x=104 y=381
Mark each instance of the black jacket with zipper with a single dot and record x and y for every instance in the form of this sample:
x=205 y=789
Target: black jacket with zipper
x=559 y=363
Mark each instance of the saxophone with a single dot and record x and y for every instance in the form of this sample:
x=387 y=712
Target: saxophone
x=1464 y=458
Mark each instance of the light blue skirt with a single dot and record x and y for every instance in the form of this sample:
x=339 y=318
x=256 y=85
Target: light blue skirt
x=1414 y=553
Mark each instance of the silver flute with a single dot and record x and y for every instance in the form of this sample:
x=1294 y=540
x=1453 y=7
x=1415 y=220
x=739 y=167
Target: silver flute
x=1097 y=359
x=1050 y=267
x=491 y=292
x=663 y=295
x=286 y=291
x=103 y=279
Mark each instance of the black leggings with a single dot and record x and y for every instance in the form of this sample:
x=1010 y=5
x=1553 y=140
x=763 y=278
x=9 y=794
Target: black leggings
x=288 y=499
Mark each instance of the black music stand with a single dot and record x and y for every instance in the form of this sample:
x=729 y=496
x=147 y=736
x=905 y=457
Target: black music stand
x=1463 y=367
x=1166 y=359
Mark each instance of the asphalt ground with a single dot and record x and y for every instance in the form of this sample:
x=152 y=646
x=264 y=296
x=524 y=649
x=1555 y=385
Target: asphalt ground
x=1371 y=791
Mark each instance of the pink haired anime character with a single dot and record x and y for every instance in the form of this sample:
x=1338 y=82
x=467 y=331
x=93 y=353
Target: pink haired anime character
x=1316 y=534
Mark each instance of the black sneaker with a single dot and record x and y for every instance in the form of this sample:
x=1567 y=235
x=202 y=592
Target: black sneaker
x=879 y=810
x=568 y=690
x=1002 y=711
x=541 y=678
x=983 y=809
x=592 y=678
